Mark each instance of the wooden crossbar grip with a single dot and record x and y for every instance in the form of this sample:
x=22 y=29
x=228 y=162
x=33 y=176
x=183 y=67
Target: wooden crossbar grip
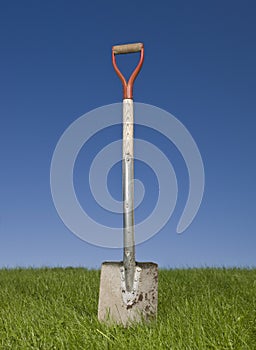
x=127 y=48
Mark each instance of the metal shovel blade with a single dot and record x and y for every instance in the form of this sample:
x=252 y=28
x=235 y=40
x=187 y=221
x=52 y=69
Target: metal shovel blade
x=117 y=305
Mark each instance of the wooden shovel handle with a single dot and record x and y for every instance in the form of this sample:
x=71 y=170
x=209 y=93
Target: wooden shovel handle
x=127 y=48
x=122 y=49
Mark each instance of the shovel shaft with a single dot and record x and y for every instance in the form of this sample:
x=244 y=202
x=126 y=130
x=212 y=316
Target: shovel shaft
x=128 y=193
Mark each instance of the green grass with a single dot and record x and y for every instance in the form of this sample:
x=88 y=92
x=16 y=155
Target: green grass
x=57 y=309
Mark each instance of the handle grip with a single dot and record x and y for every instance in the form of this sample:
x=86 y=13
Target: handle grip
x=122 y=49
x=127 y=48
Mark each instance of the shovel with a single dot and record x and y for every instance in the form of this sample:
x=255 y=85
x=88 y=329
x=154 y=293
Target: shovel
x=128 y=289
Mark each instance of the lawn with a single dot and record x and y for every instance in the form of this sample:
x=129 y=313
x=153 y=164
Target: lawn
x=56 y=308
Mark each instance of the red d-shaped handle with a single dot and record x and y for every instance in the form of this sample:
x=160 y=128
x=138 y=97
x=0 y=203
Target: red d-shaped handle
x=123 y=49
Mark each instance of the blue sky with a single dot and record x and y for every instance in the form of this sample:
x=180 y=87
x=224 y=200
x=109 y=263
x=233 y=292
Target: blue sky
x=55 y=66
